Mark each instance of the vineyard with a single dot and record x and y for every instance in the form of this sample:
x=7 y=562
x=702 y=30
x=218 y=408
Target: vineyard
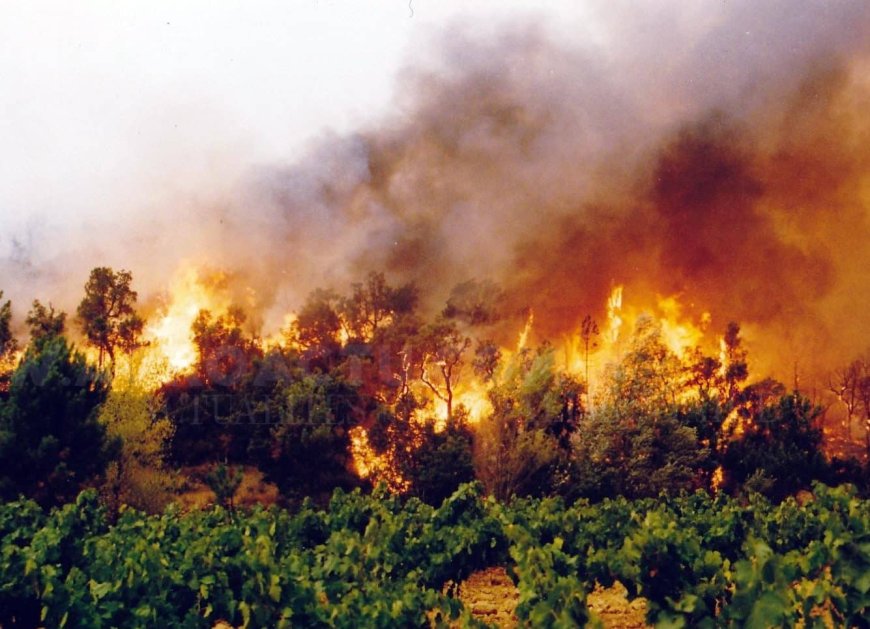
x=380 y=561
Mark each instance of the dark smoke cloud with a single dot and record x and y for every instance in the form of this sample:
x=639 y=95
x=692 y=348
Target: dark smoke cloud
x=706 y=166
x=716 y=151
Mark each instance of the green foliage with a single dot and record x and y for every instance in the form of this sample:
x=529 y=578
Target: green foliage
x=382 y=561
x=137 y=477
x=636 y=441
x=441 y=462
x=523 y=444
x=44 y=323
x=646 y=382
x=227 y=409
x=50 y=439
x=698 y=561
x=365 y=561
x=820 y=574
x=637 y=459
x=780 y=451
x=224 y=482
x=309 y=453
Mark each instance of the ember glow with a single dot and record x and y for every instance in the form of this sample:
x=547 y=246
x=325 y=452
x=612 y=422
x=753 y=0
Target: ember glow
x=370 y=465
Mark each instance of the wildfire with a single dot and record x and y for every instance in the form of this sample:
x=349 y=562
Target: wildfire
x=369 y=464
x=718 y=479
x=170 y=334
x=614 y=312
x=8 y=364
x=144 y=369
x=524 y=335
x=679 y=333
x=723 y=357
x=283 y=336
x=472 y=395
x=476 y=401
x=170 y=350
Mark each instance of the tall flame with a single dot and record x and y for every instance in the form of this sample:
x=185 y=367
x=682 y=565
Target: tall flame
x=524 y=335
x=678 y=333
x=614 y=315
x=170 y=334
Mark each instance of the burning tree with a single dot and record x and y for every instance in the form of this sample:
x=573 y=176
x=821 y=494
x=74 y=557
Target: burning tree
x=588 y=332
x=8 y=345
x=225 y=352
x=634 y=443
x=107 y=315
x=317 y=328
x=373 y=305
x=851 y=386
x=525 y=442
x=44 y=323
x=442 y=349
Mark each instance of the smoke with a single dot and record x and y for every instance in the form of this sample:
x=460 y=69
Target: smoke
x=717 y=152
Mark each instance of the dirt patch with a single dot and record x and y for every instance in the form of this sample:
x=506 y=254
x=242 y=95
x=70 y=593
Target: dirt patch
x=253 y=490
x=491 y=596
x=614 y=609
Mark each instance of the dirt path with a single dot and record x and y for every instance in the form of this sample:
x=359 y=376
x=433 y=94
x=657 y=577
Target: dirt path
x=492 y=597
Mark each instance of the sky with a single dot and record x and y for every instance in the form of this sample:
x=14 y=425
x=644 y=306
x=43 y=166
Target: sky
x=103 y=102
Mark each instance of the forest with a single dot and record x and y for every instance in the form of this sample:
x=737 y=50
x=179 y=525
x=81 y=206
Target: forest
x=407 y=447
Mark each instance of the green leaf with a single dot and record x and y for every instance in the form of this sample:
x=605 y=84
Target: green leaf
x=767 y=611
x=99 y=590
x=275 y=588
x=245 y=610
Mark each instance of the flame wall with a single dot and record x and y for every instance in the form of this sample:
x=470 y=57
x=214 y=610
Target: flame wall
x=718 y=153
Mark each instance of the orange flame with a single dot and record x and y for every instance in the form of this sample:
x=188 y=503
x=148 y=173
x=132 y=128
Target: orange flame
x=283 y=337
x=170 y=335
x=679 y=333
x=614 y=315
x=718 y=479
x=371 y=465
x=524 y=335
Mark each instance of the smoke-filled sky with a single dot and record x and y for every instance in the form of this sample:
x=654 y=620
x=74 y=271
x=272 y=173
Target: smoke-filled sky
x=715 y=151
x=126 y=125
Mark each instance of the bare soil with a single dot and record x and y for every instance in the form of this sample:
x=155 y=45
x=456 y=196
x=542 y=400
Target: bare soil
x=492 y=598
x=254 y=489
